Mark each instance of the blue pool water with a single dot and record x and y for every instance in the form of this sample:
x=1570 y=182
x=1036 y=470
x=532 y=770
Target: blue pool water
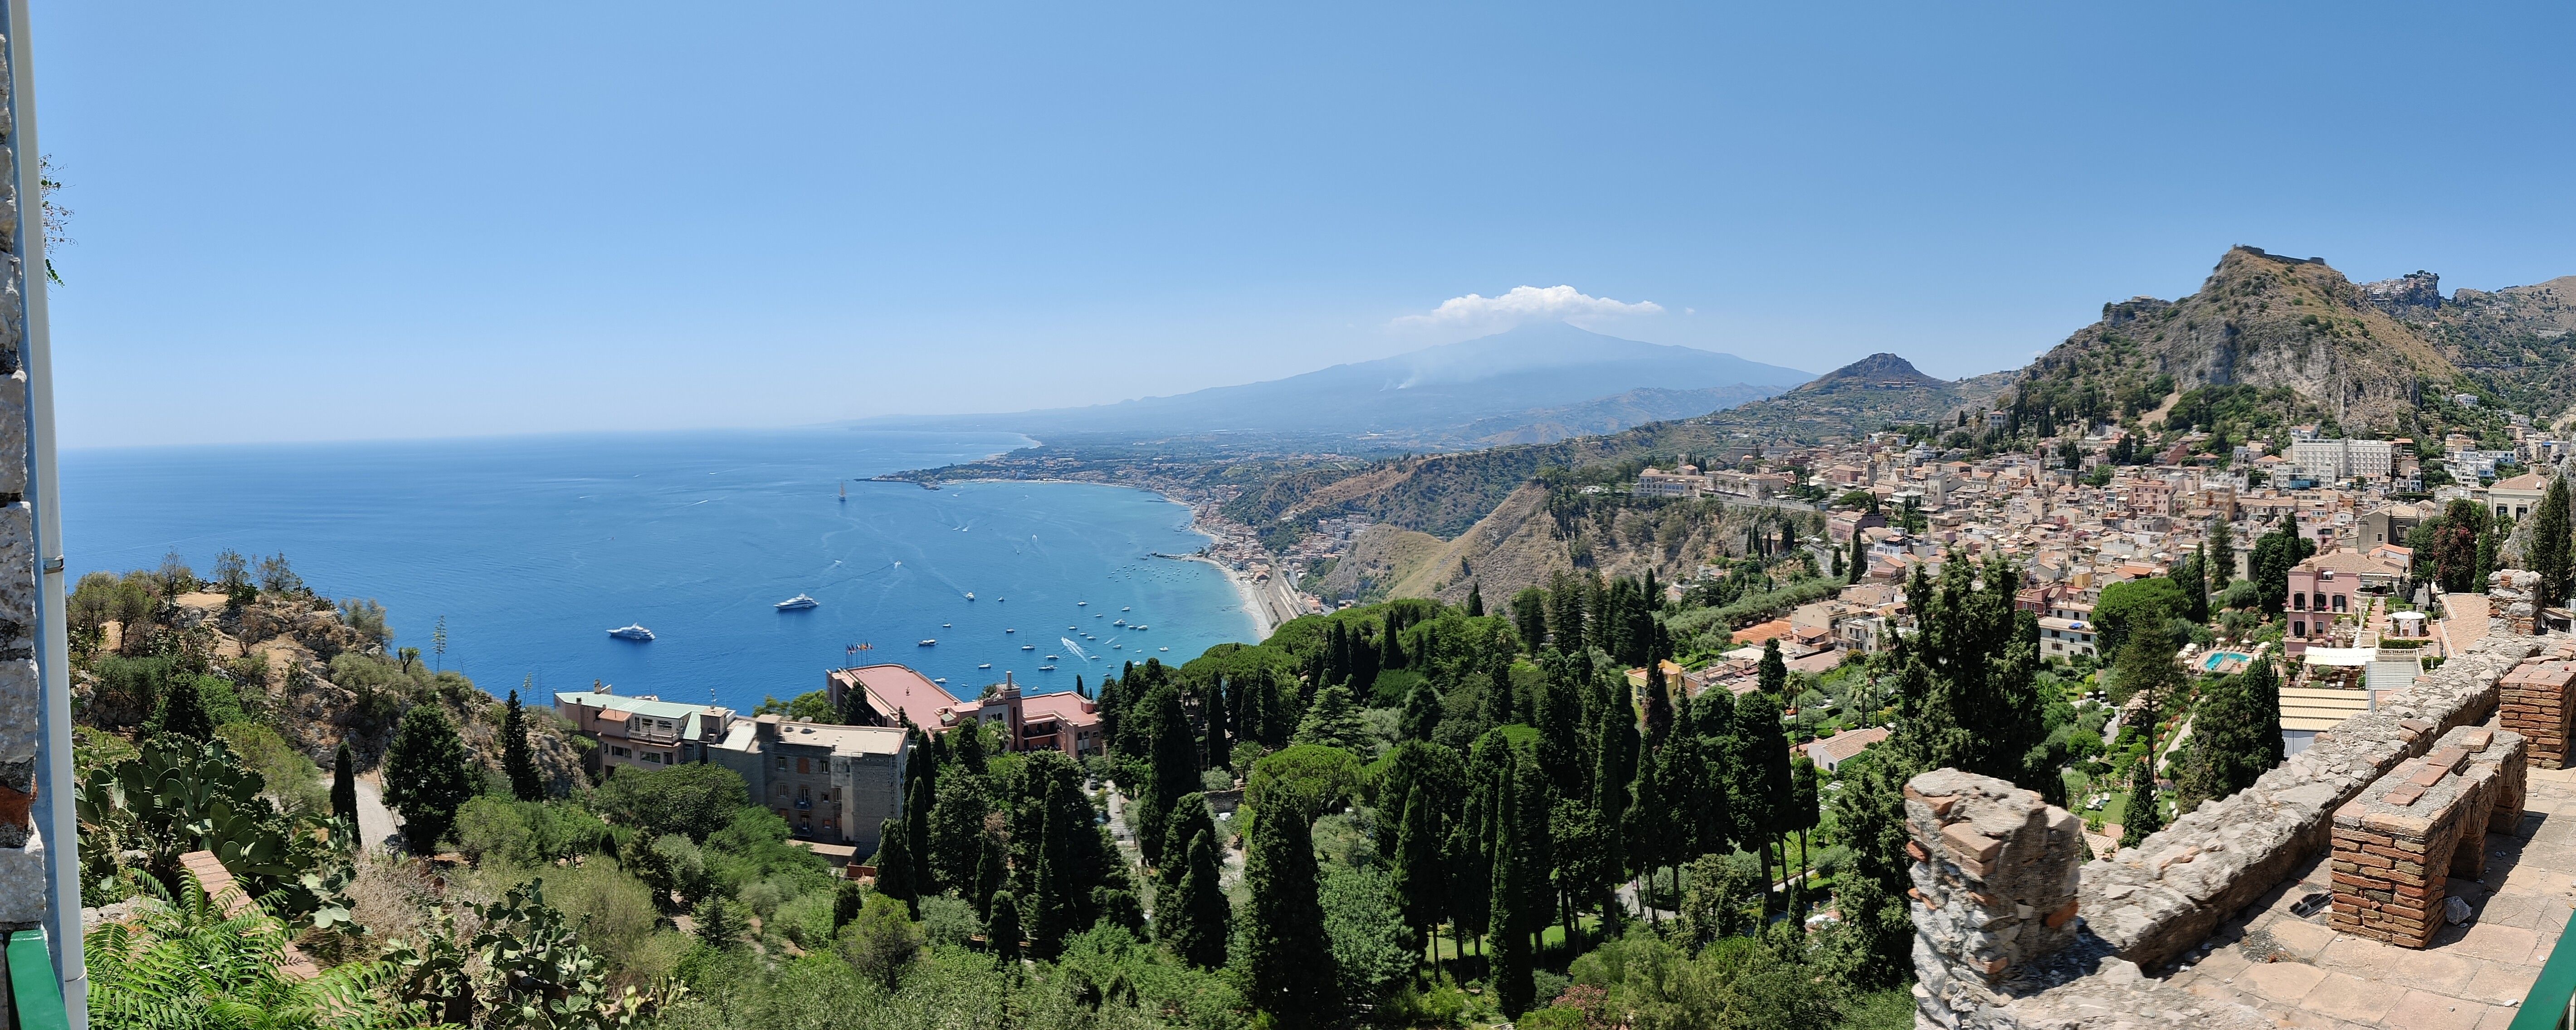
x=534 y=547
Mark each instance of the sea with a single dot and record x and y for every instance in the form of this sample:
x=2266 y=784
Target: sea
x=533 y=548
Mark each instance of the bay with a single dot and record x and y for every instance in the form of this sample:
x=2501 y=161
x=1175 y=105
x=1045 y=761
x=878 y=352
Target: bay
x=533 y=547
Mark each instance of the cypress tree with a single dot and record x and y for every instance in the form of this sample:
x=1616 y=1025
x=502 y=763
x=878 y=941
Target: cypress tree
x=1188 y=819
x=1762 y=797
x=1805 y=809
x=1773 y=672
x=2218 y=555
x=1859 y=556
x=1173 y=770
x=344 y=785
x=1392 y=655
x=917 y=839
x=1287 y=953
x=1659 y=707
x=516 y=761
x=2142 y=817
x=1615 y=768
x=427 y=776
x=1421 y=875
x=895 y=864
x=1505 y=920
x=2263 y=700
x=1422 y=713
x=2550 y=543
x=1199 y=914
x=1003 y=928
x=2195 y=589
x=1475 y=601
x=988 y=878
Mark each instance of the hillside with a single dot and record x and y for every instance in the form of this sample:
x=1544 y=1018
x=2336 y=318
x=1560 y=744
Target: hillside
x=1605 y=415
x=2259 y=320
x=2518 y=344
x=1873 y=393
x=1431 y=396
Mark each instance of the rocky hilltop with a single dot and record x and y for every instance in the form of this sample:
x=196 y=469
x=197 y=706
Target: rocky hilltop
x=2259 y=320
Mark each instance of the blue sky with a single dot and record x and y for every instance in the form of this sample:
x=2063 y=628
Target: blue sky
x=338 y=221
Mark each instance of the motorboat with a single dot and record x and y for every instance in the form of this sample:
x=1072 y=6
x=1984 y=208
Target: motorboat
x=943 y=625
x=1162 y=649
x=1126 y=609
x=988 y=665
x=634 y=632
x=1050 y=658
x=1120 y=622
x=1028 y=647
x=1046 y=668
x=942 y=681
x=1010 y=631
x=1140 y=627
x=970 y=595
x=1082 y=604
x=797 y=603
x=930 y=643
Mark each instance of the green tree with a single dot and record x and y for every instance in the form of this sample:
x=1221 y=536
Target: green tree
x=1773 y=673
x=427 y=777
x=1189 y=818
x=344 y=785
x=1475 y=601
x=1805 y=806
x=881 y=941
x=1195 y=917
x=1763 y=792
x=1529 y=618
x=1172 y=769
x=1333 y=720
x=1004 y=930
x=2194 y=584
x=1506 y=920
x=516 y=761
x=1422 y=712
x=694 y=799
x=2218 y=555
x=183 y=710
x=1859 y=555
x=2227 y=750
x=2274 y=554
x=2146 y=668
x=1284 y=929
x=894 y=862
x=2263 y=702
x=721 y=921
x=1421 y=873
x=2548 y=552
x=2126 y=604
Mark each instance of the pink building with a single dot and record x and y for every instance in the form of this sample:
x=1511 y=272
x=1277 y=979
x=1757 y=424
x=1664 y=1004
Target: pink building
x=1063 y=721
x=2332 y=584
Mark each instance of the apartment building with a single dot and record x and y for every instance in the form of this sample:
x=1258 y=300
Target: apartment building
x=836 y=784
x=643 y=731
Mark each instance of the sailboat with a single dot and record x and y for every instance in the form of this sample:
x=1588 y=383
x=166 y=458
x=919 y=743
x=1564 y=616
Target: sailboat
x=845 y=491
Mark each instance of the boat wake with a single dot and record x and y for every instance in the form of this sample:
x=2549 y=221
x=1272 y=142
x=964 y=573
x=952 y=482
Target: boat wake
x=1077 y=650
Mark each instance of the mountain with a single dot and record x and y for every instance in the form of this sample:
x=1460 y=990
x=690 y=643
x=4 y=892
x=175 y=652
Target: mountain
x=2260 y=320
x=1873 y=393
x=1499 y=384
x=1605 y=414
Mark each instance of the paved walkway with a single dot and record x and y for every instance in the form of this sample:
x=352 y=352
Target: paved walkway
x=2302 y=973
x=375 y=821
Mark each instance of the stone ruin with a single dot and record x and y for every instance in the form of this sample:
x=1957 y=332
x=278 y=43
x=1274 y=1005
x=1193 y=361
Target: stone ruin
x=1997 y=945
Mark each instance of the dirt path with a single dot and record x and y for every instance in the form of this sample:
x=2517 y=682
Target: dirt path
x=375 y=821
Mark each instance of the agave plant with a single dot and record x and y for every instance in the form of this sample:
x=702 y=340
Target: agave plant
x=181 y=795
x=184 y=965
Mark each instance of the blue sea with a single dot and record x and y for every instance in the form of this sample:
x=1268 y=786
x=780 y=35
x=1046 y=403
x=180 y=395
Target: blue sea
x=532 y=548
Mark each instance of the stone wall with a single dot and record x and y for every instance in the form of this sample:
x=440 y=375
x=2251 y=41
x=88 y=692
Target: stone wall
x=23 y=888
x=2150 y=903
x=2509 y=596
x=2534 y=703
x=1994 y=886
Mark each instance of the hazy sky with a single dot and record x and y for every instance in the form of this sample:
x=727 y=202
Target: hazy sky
x=387 y=220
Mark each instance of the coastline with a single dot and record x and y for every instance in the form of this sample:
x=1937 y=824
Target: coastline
x=1254 y=596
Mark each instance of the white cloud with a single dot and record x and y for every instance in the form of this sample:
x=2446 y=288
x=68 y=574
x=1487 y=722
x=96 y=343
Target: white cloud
x=1526 y=304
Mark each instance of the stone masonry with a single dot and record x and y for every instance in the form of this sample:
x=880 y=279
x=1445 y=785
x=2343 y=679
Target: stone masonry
x=2509 y=595
x=1994 y=885
x=2152 y=902
x=2535 y=704
x=23 y=889
x=2397 y=845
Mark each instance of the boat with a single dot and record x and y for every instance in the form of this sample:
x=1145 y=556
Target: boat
x=970 y=595
x=1046 y=668
x=1028 y=647
x=1162 y=649
x=1050 y=658
x=634 y=632
x=1126 y=609
x=943 y=625
x=1010 y=631
x=1082 y=604
x=1120 y=622
x=940 y=680
x=845 y=491
x=797 y=603
x=1117 y=647
x=1140 y=627
x=930 y=643
x=988 y=665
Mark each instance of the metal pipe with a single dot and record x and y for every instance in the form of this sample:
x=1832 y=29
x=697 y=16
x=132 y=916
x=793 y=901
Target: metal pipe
x=53 y=658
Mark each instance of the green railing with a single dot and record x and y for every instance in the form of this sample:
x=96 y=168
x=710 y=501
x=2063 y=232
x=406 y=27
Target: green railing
x=2547 y=1007
x=33 y=994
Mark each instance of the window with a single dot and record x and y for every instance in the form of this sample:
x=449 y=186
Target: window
x=2299 y=629
x=782 y=763
x=2339 y=600
x=804 y=766
x=619 y=752
x=654 y=757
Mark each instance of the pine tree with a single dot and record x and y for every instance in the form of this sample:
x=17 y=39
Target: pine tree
x=516 y=762
x=2548 y=552
x=2218 y=555
x=1421 y=875
x=895 y=864
x=1506 y=922
x=1287 y=954
x=1422 y=713
x=427 y=777
x=344 y=785
x=2195 y=590
x=1004 y=930
x=2146 y=670
x=1475 y=601
x=1198 y=911
x=1333 y=720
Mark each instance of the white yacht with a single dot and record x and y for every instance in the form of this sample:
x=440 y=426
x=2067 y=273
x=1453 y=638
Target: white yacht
x=988 y=665
x=1028 y=647
x=970 y=595
x=634 y=632
x=930 y=643
x=797 y=603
